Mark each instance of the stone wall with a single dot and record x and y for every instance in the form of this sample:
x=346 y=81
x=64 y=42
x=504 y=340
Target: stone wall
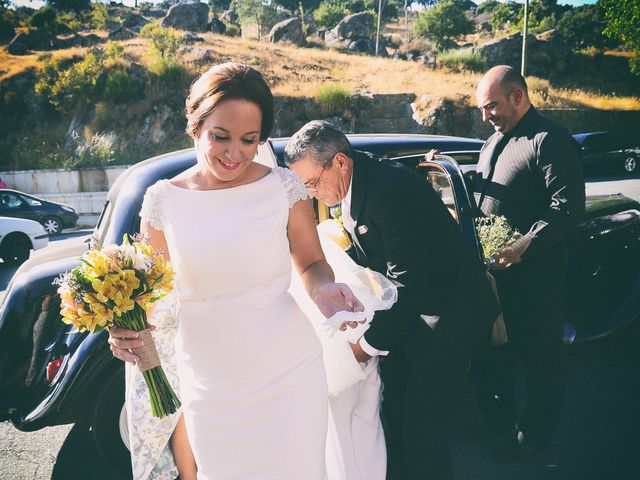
x=59 y=181
x=408 y=113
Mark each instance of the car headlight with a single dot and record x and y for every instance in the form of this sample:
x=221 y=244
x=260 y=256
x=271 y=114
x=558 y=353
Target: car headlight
x=68 y=209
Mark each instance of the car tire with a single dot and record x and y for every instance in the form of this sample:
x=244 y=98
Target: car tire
x=53 y=225
x=109 y=425
x=15 y=249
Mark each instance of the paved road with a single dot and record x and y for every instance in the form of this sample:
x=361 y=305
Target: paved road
x=598 y=438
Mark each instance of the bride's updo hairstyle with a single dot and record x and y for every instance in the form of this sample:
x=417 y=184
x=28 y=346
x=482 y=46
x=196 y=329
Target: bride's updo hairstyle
x=225 y=82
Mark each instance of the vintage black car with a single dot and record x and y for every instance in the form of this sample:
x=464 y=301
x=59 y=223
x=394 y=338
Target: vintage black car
x=50 y=377
x=53 y=216
x=609 y=152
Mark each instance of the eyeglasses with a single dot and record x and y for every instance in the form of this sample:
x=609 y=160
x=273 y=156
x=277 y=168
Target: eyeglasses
x=314 y=187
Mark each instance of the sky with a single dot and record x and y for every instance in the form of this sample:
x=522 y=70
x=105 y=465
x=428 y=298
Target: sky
x=38 y=3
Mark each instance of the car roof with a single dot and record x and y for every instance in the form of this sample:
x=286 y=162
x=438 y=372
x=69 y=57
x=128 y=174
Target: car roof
x=398 y=144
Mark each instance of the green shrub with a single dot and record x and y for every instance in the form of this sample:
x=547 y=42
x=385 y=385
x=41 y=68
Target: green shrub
x=67 y=88
x=113 y=50
x=329 y=14
x=165 y=41
x=70 y=21
x=119 y=86
x=147 y=30
x=232 y=30
x=99 y=15
x=44 y=18
x=463 y=59
x=443 y=23
x=99 y=150
x=167 y=71
x=333 y=98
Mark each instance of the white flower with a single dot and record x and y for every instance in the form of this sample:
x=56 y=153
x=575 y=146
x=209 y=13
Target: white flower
x=141 y=261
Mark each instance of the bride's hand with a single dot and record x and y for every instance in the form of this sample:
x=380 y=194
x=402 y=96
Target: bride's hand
x=337 y=297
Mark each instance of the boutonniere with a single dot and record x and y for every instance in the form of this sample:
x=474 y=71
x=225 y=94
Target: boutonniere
x=337 y=216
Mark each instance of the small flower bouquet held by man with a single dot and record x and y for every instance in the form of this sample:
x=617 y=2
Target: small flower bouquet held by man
x=495 y=233
x=115 y=286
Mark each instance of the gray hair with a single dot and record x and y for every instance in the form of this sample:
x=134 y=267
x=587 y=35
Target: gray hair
x=321 y=140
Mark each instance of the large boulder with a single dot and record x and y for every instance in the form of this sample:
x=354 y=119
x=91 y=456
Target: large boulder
x=546 y=52
x=133 y=20
x=288 y=31
x=351 y=28
x=189 y=38
x=32 y=40
x=217 y=26
x=188 y=16
x=230 y=16
x=504 y=51
x=122 y=33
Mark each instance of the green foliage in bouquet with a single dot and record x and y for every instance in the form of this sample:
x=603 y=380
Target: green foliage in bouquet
x=494 y=233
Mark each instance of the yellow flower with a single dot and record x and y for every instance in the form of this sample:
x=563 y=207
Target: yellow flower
x=125 y=282
x=86 y=319
x=105 y=289
x=123 y=304
x=103 y=315
x=99 y=261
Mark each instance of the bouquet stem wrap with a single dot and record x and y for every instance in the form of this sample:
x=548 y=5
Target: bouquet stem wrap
x=147 y=352
x=163 y=399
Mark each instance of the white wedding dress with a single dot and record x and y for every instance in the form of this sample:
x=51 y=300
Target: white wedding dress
x=245 y=361
x=252 y=380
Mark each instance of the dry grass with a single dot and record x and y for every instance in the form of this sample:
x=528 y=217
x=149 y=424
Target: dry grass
x=298 y=72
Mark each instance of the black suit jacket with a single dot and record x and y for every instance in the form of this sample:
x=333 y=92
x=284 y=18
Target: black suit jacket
x=403 y=229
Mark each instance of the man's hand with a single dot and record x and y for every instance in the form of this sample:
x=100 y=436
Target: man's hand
x=337 y=297
x=429 y=156
x=122 y=341
x=504 y=258
x=361 y=355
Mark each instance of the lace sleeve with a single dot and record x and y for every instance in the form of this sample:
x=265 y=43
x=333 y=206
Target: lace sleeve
x=293 y=185
x=152 y=209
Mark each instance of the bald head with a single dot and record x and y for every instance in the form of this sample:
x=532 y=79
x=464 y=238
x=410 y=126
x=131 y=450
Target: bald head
x=506 y=77
x=503 y=97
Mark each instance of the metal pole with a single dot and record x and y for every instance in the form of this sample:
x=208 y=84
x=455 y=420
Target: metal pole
x=378 y=29
x=406 y=23
x=524 y=38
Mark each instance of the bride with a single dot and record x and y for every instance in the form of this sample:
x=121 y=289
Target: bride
x=250 y=368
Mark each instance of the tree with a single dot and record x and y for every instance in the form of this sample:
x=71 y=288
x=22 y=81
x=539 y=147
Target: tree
x=219 y=5
x=487 y=6
x=509 y=13
x=443 y=23
x=624 y=24
x=258 y=12
x=70 y=5
x=328 y=14
x=582 y=28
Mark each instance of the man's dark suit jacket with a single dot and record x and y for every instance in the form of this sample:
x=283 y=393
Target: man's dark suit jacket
x=403 y=229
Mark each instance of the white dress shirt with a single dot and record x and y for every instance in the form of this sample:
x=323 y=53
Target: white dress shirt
x=349 y=225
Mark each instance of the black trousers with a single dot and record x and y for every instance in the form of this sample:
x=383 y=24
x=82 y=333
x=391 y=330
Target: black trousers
x=532 y=298
x=420 y=381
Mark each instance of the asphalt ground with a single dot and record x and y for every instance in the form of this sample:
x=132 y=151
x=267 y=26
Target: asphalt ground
x=598 y=436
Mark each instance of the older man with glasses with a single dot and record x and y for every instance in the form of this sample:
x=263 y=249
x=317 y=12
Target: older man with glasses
x=399 y=226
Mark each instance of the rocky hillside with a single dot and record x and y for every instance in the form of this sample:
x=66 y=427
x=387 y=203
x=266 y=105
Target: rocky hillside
x=115 y=95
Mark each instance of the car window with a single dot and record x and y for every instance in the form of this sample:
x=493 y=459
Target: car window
x=9 y=200
x=441 y=184
x=32 y=201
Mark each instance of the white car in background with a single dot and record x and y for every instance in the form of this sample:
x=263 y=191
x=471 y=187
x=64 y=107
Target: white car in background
x=18 y=236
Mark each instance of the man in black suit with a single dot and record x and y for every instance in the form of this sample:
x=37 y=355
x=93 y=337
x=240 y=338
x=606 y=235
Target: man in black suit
x=529 y=171
x=399 y=225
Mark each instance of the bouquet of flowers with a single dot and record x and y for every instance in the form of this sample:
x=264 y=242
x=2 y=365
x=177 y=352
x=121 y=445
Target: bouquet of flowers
x=115 y=286
x=494 y=233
